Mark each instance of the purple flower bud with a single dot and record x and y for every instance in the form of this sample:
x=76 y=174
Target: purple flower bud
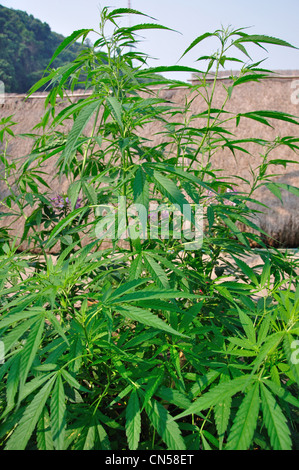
x=78 y=203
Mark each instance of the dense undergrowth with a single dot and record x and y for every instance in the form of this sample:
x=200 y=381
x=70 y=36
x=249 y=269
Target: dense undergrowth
x=144 y=343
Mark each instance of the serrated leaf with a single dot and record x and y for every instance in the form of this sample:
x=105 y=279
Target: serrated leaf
x=197 y=41
x=90 y=193
x=141 y=188
x=69 y=40
x=265 y=276
x=247 y=326
x=275 y=421
x=31 y=347
x=245 y=422
x=73 y=193
x=247 y=270
x=136 y=267
x=125 y=11
x=169 y=189
x=156 y=271
x=116 y=109
x=57 y=412
x=170 y=68
x=202 y=382
x=102 y=438
x=43 y=434
x=141 y=27
x=216 y=395
x=268 y=347
x=15 y=317
x=282 y=393
x=79 y=125
x=10 y=339
x=34 y=384
x=12 y=383
x=173 y=396
x=73 y=382
x=133 y=421
x=222 y=412
x=152 y=386
x=28 y=422
x=153 y=294
x=235 y=230
x=62 y=224
x=168 y=429
x=147 y=318
x=259 y=38
x=127 y=287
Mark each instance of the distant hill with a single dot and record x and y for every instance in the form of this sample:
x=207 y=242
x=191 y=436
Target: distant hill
x=26 y=47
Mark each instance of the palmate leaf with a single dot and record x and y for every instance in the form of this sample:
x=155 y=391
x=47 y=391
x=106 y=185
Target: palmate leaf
x=146 y=318
x=245 y=422
x=217 y=394
x=275 y=421
x=166 y=427
x=20 y=437
x=133 y=421
x=57 y=412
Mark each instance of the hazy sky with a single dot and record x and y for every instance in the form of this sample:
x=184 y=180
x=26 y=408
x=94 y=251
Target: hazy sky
x=190 y=17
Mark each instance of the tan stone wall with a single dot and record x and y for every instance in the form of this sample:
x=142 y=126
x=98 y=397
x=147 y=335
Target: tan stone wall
x=281 y=220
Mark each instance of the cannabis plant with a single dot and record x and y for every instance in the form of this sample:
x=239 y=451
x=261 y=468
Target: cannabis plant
x=122 y=330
